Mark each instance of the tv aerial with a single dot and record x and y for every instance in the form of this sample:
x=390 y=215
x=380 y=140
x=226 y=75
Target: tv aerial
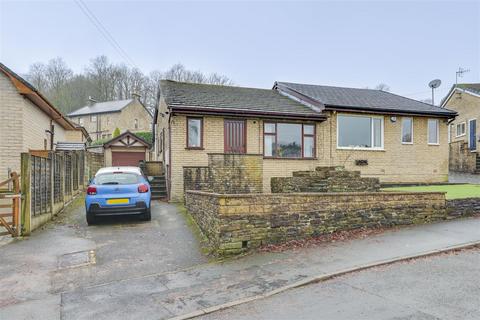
x=434 y=84
x=460 y=73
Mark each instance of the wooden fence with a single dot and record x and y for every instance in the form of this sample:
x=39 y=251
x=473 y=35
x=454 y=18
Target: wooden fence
x=50 y=180
x=10 y=207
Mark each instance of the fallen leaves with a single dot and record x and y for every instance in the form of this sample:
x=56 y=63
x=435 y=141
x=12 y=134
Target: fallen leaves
x=338 y=236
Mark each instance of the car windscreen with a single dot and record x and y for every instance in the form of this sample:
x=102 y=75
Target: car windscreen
x=117 y=178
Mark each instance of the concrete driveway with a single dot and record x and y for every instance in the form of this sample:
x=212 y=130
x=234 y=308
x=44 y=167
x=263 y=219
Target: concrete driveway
x=35 y=271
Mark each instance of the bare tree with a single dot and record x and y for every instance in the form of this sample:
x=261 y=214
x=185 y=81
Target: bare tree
x=382 y=87
x=105 y=81
x=37 y=76
x=57 y=73
x=219 y=79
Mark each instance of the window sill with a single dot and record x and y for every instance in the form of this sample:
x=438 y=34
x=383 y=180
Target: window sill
x=462 y=135
x=360 y=149
x=194 y=148
x=434 y=144
x=280 y=158
x=408 y=143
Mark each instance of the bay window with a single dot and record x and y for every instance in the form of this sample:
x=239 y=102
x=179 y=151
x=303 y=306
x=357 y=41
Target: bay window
x=288 y=140
x=359 y=132
x=194 y=133
x=433 y=131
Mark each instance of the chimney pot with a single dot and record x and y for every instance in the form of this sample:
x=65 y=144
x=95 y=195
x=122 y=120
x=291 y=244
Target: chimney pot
x=91 y=101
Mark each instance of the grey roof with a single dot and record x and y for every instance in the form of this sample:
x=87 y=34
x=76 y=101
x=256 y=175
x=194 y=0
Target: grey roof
x=472 y=87
x=363 y=99
x=101 y=107
x=229 y=98
x=70 y=146
x=468 y=87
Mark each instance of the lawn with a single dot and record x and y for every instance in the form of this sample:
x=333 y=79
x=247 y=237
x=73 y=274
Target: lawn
x=458 y=191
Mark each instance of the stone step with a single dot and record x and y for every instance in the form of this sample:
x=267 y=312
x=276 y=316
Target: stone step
x=327 y=169
x=157 y=183
x=344 y=174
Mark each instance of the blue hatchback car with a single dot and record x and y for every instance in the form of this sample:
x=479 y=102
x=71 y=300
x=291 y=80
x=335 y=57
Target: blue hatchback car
x=118 y=191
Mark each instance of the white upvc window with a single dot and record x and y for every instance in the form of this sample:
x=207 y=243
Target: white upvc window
x=433 y=132
x=359 y=132
x=407 y=130
x=461 y=129
x=93 y=118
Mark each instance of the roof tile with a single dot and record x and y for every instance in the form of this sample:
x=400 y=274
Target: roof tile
x=362 y=99
x=231 y=98
x=101 y=107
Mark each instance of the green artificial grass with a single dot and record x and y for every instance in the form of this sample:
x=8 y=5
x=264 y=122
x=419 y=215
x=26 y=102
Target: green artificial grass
x=457 y=191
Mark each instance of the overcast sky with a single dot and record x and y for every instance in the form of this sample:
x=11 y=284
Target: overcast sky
x=355 y=44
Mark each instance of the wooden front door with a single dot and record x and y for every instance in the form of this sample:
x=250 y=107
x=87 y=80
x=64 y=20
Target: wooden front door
x=235 y=136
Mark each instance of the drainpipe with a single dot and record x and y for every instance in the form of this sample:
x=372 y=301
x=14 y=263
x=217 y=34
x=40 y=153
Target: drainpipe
x=52 y=134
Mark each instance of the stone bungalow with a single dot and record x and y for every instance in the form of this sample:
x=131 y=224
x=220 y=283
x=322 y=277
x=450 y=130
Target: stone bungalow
x=296 y=127
x=464 y=98
x=28 y=121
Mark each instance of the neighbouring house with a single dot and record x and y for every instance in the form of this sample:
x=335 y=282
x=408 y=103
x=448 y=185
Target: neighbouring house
x=101 y=119
x=464 y=98
x=28 y=121
x=263 y=133
x=126 y=149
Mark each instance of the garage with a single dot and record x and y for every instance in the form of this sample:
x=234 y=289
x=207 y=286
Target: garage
x=121 y=158
x=127 y=149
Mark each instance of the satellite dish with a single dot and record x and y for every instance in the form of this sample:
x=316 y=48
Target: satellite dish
x=435 y=83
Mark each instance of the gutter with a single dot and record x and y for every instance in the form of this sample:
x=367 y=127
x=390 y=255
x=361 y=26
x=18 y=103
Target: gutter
x=245 y=113
x=389 y=111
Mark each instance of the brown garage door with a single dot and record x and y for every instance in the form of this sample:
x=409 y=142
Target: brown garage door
x=127 y=158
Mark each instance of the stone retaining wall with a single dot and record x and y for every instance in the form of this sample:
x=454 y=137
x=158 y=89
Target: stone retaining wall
x=325 y=179
x=236 y=223
x=226 y=173
x=461 y=159
x=463 y=207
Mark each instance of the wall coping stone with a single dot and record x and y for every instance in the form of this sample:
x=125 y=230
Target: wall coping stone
x=195 y=167
x=319 y=194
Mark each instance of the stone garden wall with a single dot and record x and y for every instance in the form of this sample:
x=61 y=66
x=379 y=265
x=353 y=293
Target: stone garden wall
x=463 y=207
x=324 y=179
x=236 y=223
x=226 y=173
x=461 y=159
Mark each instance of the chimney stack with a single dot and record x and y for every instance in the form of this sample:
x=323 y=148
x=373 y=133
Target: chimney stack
x=91 y=101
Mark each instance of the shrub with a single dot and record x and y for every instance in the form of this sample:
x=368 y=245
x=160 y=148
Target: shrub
x=116 y=132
